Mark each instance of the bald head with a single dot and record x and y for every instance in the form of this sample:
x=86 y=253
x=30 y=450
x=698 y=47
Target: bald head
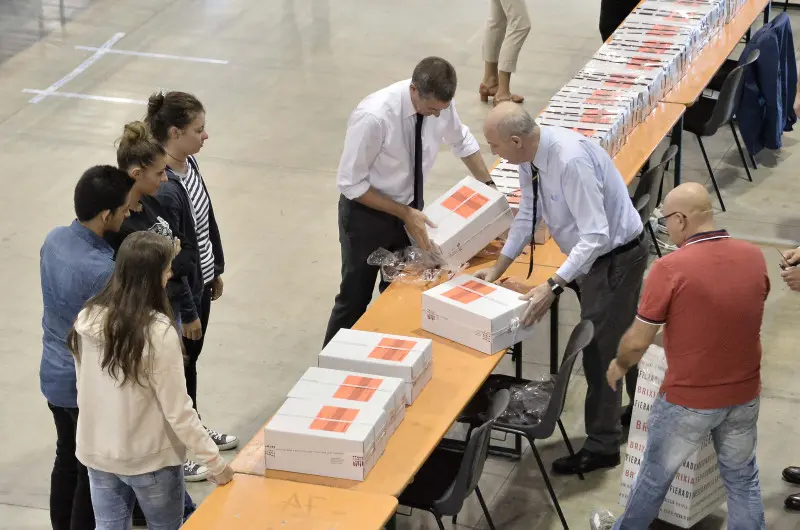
x=689 y=211
x=511 y=132
x=510 y=119
x=691 y=199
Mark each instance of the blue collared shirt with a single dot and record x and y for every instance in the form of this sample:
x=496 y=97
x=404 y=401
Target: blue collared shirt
x=75 y=265
x=582 y=200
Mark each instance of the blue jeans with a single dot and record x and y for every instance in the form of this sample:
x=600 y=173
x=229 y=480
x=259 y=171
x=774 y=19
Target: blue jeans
x=673 y=434
x=160 y=494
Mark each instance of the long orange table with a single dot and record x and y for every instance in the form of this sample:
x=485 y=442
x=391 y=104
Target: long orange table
x=255 y=503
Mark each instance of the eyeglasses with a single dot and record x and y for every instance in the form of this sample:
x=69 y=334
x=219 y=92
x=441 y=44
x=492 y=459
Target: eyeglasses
x=663 y=219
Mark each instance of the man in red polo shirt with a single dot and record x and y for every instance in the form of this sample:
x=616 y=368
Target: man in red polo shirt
x=709 y=296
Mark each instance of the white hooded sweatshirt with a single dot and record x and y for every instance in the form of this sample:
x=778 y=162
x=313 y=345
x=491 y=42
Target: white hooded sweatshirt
x=137 y=428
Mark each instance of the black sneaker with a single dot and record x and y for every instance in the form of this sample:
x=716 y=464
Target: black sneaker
x=194 y=472
x=225 y=442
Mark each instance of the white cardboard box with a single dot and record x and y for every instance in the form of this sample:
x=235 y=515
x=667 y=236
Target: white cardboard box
x=697 y=489
x=408 y=358
x=469 y=216
x=389 y=393
x=475 y=313
x=332 y=438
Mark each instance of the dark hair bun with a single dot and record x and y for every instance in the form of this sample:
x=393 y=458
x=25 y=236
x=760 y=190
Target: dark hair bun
x=154 y=103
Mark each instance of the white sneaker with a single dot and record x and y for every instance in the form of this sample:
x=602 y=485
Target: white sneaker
x=194 y=472
x=225 y=442
x=602 y=520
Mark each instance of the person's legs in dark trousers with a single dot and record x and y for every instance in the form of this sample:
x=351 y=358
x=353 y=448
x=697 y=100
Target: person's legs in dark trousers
x=194 y=347
x=612 y=14
x=70 y=496
x=362 y=231
x=609 y=297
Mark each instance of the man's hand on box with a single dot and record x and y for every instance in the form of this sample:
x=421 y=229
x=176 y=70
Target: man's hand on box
x=416 y=223
x=488 y=275
x=540 y=298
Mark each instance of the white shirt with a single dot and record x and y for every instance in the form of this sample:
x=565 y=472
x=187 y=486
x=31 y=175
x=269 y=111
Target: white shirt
x=379 y=144
x=582 y=199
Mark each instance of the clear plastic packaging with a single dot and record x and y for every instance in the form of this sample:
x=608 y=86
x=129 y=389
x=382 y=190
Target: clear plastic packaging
x=413 y=265
x=528 y=402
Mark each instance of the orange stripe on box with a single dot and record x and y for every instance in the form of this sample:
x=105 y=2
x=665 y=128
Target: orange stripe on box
x=354 y=393
x=464 y=293
x=367 y=382
x=327 y=425
x=337 y=413
x=460 y=195
x=392 y=349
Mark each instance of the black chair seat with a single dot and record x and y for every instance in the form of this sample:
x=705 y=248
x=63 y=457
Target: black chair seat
x=433 y=480
x=696 y=118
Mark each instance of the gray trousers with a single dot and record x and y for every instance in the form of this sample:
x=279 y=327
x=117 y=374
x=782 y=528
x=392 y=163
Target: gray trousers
x=609 y=299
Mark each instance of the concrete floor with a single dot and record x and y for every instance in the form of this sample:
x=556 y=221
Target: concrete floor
x=276 y=115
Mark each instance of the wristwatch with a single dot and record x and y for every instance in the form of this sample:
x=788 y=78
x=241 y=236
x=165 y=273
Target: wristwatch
x=556 y=288
x=490 y=182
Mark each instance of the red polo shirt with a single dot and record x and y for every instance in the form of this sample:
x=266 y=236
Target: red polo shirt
x=709 y=294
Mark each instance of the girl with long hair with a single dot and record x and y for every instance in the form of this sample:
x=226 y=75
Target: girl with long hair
x=137 y=421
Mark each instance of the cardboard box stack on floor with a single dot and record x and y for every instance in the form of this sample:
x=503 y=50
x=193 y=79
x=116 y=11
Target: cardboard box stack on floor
x=469 y=216
x=472 y=312
x=697 y=489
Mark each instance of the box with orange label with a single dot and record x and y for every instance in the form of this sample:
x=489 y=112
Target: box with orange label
x=386 y=392
x=469 y=216
x=330 y=437
x=481 y=315
x=409 y=358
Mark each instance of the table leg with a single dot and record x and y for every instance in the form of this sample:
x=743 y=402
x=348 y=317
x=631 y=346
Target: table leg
x=554 y=337
x=677 y=139
x=766 y=12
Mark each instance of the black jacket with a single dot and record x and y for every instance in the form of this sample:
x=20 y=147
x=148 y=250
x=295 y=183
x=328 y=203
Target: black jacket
x=177 y=209
x=153 y=219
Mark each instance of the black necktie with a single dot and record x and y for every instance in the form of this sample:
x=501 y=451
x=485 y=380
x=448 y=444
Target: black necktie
x=418 y=203
x=535 y=179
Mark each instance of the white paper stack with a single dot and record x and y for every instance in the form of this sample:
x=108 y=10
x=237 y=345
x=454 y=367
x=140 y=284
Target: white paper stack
x=469 y=216
x=385 y=392
x=697 y=489
x=407 y=358
x=332 y=437
x=506 y=177
x=481 y=315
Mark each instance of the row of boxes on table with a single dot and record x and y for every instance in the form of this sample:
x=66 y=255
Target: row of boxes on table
x=338 y=418
x=644 y=59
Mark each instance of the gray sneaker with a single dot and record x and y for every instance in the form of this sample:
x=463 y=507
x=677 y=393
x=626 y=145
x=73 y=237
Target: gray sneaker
x=194 y=472
x=225 y=442
x=602 y=520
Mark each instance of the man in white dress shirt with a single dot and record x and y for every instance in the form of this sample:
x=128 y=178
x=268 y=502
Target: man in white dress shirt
x=392 y=140
x=571 y=183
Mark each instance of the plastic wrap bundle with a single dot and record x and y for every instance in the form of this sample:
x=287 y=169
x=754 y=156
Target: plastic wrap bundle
x=634 y=56
x=608 y=125
x=704 y=19
x=528 y=402
x=412 y=265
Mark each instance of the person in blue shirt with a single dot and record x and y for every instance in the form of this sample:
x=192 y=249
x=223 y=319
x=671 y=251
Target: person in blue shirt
x=75 y=264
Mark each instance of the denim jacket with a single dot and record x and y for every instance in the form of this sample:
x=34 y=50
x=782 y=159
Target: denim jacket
x=75 y=265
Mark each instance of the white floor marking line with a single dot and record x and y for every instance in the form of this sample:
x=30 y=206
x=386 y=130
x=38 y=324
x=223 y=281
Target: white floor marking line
x=79 y=69
x=74 y=95
x=156 y=55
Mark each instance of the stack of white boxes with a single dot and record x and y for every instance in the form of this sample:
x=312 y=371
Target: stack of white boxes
x=469 y=216
x=506 y=177
x=477 y=314
x=407 y=358
x=697 y=489
x=644 y=59
x=339 y=416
